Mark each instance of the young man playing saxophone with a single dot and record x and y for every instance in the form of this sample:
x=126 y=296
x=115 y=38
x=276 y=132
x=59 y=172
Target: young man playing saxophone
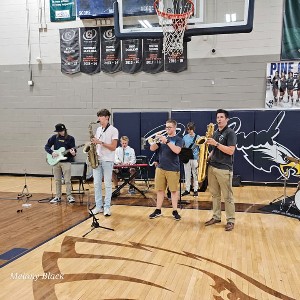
x=106 y=140
x=220 y=170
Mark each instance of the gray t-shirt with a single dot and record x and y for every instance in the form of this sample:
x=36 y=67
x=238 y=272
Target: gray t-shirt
x=220 y=159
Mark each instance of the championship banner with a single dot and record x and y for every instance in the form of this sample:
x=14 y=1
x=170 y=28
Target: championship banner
x=176 y=63
x=110 y=51
x=62 y=10
x=90 y=50
x=290 y=45
x=153 y=58
x=283 y=85
x=132 y=56
x=69 y=50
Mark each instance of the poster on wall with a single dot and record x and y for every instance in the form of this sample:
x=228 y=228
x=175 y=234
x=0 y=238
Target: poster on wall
x=177 y=63
x=90 y=50
x=283 y=85
x=69 y=50
x=131 y=55
x=110 y=51
x=153 y=58
x=290 y=43
x=62 y=10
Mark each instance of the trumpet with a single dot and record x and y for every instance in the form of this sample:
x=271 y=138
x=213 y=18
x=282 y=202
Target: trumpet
x=155 y=138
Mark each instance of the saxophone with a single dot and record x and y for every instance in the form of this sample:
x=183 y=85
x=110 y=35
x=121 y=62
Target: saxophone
x=90 y=149
x=203 y=152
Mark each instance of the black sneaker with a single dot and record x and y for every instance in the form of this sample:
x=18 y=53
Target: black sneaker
x=155 y=214
x=195 y=194
x=176 y=215
x=185 y=193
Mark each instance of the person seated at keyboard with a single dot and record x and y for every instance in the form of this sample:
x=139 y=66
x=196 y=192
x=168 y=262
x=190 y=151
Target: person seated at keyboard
x=124 y=155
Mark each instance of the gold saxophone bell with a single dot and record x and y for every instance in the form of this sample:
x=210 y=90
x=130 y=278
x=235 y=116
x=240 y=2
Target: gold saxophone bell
x=201 y=140
x=86 y=148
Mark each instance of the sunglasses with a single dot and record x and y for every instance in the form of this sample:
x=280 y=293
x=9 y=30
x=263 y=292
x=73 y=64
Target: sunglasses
x=19 y=210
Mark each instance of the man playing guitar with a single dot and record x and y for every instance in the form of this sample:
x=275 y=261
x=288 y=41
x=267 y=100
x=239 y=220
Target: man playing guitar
x=63 y=167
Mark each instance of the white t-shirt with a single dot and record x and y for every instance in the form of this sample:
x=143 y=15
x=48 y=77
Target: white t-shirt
x=125 y=156
x=107 y=136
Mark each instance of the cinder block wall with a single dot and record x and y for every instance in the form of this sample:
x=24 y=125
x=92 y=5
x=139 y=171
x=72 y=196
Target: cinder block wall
x=28 y=113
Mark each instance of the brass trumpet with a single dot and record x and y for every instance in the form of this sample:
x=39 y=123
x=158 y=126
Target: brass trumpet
x=152 y=141
x=156 y=139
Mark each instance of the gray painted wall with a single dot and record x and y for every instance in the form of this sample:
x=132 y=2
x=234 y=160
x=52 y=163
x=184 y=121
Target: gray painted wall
x=28 y=114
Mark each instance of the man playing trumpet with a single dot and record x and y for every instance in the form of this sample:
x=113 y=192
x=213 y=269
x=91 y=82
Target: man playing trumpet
x=168 y=170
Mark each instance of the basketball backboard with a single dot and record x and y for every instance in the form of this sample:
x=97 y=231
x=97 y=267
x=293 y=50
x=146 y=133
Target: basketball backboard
x=138 y=19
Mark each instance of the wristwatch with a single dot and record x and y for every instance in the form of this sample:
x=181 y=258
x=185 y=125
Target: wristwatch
x=168 y=141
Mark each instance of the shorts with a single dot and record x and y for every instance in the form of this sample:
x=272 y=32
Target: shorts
x=164 y=179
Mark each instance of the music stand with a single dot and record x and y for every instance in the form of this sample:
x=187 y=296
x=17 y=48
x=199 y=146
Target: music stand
x=95 y=224
x=285 y=178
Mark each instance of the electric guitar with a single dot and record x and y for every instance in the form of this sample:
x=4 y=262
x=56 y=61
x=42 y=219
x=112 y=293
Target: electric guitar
x=52 y=161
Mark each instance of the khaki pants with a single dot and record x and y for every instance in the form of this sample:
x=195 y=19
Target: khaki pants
x=220 y=182
x=59 y=169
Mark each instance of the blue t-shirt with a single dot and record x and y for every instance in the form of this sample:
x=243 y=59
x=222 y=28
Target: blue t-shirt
x=188 y=140
x=168 y=160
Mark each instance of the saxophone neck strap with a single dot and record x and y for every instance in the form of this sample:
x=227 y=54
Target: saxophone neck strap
x=105 y=128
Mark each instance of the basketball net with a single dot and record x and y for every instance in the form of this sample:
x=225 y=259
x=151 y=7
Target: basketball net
x=173 y=16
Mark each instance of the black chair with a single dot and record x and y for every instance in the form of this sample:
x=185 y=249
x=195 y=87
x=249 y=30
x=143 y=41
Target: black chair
x=143 y=172
x=78 y=173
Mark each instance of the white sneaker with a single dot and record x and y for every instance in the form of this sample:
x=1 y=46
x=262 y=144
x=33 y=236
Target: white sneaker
x=71 y=199
x=107 y=212
x=97 y=210
x=55 y=200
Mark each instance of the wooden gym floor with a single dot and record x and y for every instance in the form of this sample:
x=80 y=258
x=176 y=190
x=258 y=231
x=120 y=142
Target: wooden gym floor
x=143 y=258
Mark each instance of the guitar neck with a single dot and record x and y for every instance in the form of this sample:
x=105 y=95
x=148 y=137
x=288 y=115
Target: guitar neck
x=67 y=151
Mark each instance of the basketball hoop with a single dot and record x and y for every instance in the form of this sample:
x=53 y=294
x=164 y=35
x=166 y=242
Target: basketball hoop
x=173 y=16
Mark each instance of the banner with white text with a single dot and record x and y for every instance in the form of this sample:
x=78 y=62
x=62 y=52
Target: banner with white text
x=69 y=50
x=110 y=51
x=90 y=50
x=62 y=10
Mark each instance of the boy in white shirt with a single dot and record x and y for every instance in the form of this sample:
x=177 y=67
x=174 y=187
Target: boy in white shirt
x=124 y=155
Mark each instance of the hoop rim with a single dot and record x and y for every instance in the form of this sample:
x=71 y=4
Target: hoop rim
x=171 y=15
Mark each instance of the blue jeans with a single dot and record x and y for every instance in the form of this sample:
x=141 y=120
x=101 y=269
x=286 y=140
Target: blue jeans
x=105 y=169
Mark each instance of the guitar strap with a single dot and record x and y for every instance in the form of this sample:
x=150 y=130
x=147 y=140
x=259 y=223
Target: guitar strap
x=193 y=142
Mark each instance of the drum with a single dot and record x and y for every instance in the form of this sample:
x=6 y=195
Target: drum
x=297 y=199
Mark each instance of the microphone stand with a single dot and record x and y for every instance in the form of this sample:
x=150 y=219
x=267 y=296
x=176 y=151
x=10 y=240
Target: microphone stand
x=25 y=192
x=95 y=224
